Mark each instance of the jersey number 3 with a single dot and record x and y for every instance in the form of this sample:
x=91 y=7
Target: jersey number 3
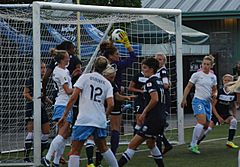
x=95 y=93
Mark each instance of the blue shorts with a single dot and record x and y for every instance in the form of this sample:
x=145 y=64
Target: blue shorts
x=81 y=133
x=202 y=107
x=58 y=112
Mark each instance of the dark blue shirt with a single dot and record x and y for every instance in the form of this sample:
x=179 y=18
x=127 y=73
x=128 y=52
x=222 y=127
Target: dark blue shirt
x=122 y=65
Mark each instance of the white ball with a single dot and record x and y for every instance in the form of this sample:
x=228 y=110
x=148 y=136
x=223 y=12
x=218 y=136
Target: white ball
x=115 y=34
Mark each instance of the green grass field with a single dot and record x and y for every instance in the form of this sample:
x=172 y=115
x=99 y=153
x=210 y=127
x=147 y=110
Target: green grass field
x=214 y=153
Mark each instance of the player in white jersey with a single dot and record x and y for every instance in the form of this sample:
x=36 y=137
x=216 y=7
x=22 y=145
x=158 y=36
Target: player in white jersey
x=205 y=89
x=62 y=79
x=224 y=111
x=94 y=90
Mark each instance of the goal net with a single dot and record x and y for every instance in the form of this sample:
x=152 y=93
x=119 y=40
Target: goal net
x=29 y=31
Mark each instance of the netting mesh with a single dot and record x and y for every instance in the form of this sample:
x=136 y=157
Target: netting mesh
x=56 y=26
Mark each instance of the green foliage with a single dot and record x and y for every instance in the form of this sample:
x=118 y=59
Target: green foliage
x=122 y=3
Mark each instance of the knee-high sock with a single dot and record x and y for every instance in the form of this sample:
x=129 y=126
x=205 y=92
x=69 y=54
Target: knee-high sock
x=59 y=152
x=157 y=156
x=28 y=144
x=89 y=151
x=232 y=129
x=110 y=158
x=74 y=161
x=126 y=156
x=99 y=158
x=196 y=134
x=44 y=142
x=114 y=141
x=57 y=141
x=203 y=135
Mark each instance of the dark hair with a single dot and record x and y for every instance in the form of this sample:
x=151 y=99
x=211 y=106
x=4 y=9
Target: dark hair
x=100 y=64
x=65 y=45
x=107 y=48
x=151 y=63
x=58 y=54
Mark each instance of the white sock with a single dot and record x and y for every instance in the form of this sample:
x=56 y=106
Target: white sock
x=74 y=161
x=59 y=152
x=57 y=141
x=128 y=154
x=110 y=158
x=155 y=152
x=196 y=134
x=209 y=129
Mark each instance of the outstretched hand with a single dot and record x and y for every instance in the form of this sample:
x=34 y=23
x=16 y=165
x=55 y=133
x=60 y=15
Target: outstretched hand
x=124 y=39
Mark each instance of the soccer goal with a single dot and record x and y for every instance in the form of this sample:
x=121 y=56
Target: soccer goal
x=29 y=31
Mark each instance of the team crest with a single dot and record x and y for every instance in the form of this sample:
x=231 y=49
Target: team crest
x=144 y=129
x=149 y=84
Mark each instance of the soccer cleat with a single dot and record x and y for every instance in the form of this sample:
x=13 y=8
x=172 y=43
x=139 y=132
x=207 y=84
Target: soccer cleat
x=194 y=150
x=99 y=166
x=91 y=165
x=166 y=149
x=45 y=162
x=231 y=144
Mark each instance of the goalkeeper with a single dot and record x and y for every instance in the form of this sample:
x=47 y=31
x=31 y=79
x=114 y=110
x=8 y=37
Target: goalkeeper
x=108 y=50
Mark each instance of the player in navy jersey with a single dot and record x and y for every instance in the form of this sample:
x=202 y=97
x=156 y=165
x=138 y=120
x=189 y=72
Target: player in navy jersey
x=28 y=94
x=153 y=116
x=224 y=111
x=108 y=50
x=136 y=86
x=162 y=73
x=205 y=90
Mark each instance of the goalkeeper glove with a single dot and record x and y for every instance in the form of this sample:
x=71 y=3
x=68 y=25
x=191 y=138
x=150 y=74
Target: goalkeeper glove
x=124 y=39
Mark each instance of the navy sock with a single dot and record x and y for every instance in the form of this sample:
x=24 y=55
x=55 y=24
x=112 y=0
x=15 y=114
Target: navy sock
x=89 y=152
x=231 y=134
x=28 y=146
x=99 y=158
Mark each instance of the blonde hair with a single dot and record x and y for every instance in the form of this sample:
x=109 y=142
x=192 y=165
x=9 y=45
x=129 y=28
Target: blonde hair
x=162 y=55
x=227 y=75
x=100 y=64
x=109 y=70
x=210 y=58
x=58 y=54
x=234 y=86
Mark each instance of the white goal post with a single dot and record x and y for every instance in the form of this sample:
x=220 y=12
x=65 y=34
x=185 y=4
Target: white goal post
x=37 y=6
x=111 y=17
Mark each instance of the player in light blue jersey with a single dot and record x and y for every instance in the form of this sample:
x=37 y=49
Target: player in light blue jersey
x=205 y=89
